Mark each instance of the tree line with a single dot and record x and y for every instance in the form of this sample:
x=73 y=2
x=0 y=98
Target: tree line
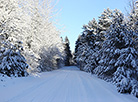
x=108 y=48
x=30 y=42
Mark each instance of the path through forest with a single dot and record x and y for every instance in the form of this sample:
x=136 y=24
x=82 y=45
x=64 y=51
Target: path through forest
x=67 y=84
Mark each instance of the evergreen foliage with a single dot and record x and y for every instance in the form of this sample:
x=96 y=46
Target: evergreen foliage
x=108 y=48
x=12 y=62
x=29 y=40
x=133 y=16
x=68 y=55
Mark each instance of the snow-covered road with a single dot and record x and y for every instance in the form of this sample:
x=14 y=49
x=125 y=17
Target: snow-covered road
x=68 y=84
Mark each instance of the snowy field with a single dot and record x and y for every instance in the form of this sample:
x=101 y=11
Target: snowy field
x=64 y=85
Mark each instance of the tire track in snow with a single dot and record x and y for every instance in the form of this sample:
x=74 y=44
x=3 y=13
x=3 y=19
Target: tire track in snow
x=32 y=88
x=49 y=90
x=50 y=97
x=68 y=85
x=102 y=93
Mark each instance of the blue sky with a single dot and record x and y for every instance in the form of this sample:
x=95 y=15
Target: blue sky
x=75 y=13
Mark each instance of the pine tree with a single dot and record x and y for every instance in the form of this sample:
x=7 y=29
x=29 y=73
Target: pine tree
x=108 y=57
x=87 y=47
x=119 y=57
x=108 y=48
x=79 y=55
x=12 y=62
x=133 y=16
x=68 y=57
x=105 y=19
x=92 y=39
x=77 y=44
x=132 y=20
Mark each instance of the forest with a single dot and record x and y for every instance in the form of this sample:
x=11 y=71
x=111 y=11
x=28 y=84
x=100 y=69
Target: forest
x=108 y=48
x=30 y=43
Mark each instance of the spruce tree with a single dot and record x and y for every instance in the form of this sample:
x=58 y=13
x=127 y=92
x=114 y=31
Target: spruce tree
x=12 y=62
x=68 y=57
x=133 y=16
x=87 y=47
x=119 y=57
x=108 y=48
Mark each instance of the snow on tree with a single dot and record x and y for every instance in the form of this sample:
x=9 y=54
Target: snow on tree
x=108 y=56
x=94 y=41
x=119 y=57
x=108 y=49
x=81 y=58
x=68 y=57
x=31 y=22
x=87 y=48
x=132 y=19
x=105 y=19
x=43 y=41
x=80 y=51
x=93 y=37
x=12 y=61
x=133 y=15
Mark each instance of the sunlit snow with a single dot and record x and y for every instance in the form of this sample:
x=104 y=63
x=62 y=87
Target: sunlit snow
x=68 y=84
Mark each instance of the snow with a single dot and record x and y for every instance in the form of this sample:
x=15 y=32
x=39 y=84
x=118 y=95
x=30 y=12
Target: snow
x=67 y=84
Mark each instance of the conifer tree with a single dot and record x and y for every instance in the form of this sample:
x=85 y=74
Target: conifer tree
x=119 y=57
x=108 y=48
x=30 y=22
x=12 y=62
x=68 y=57
x=133 y=16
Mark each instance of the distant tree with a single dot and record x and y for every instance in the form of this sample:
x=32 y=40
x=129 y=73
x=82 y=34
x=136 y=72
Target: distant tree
x=133 y=15
x=132 y=19
x=87 y=46
x=68 y=55
x=105 y=19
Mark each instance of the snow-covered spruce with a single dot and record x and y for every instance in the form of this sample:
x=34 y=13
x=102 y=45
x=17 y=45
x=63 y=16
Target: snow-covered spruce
x=12 y=63
x=82 y=48
x=133 y=16
x=119 y=58
x=68 y=55
x=93 y=37
x=115 y=59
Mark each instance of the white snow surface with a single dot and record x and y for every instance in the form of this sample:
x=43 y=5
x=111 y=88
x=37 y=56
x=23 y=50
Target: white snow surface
x=67 y=84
